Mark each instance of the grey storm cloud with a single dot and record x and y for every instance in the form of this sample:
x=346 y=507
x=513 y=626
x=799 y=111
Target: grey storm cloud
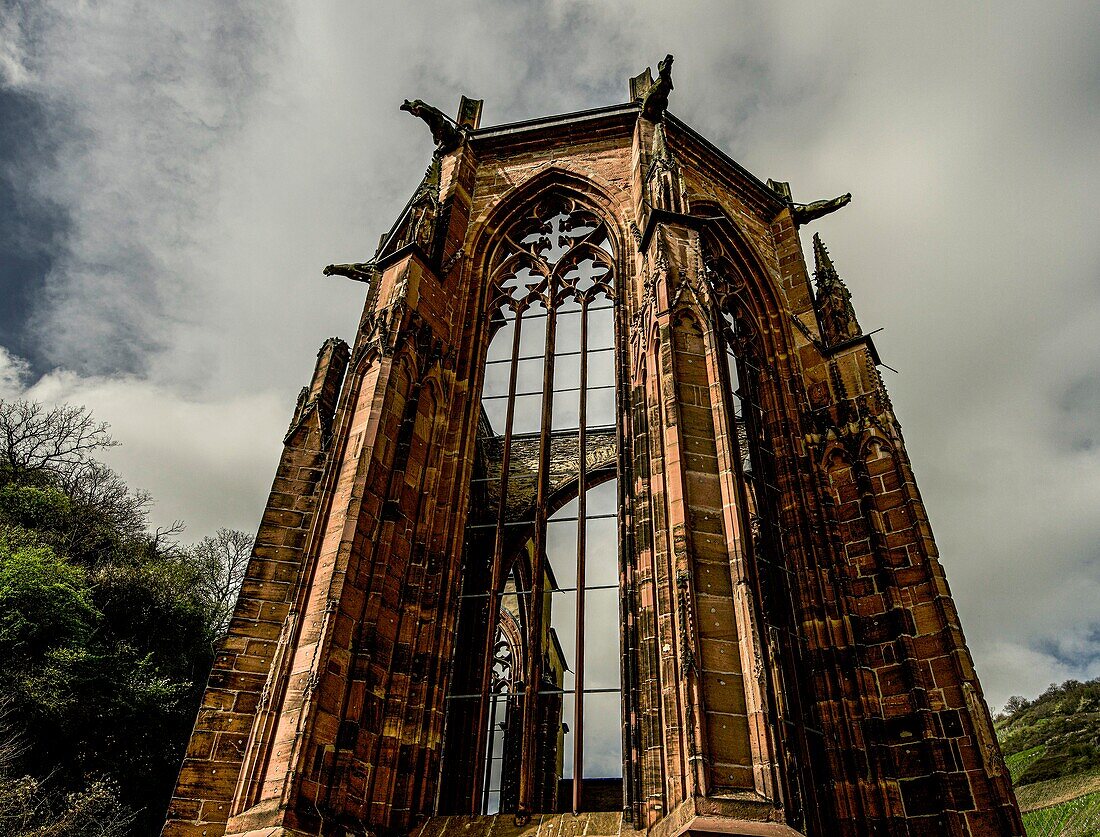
x=201 y=161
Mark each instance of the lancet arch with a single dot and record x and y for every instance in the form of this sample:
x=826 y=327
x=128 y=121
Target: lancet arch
x=548 y=436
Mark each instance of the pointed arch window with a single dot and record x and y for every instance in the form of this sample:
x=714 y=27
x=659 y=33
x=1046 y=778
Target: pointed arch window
x=541 y=574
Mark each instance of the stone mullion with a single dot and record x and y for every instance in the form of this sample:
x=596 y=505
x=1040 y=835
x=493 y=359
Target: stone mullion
x=497 y=576
x=533 y=668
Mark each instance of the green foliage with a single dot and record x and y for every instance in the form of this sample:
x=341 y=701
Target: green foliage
x=45 y=603
x=33 y=507
x=1052 y=749
x=1064 y=760
x=1018 y=762
x=107 y=633
x=1060 y=730
x=1078 y=817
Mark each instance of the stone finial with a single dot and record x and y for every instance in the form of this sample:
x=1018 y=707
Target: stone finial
x=324 y=389
x=664 y=184
x=781 y=188
x=833 y=302
x=469 y=112
x=418 y=224
x=445 y=132
x=824 y=271
x=661 y=151
x=655 y=100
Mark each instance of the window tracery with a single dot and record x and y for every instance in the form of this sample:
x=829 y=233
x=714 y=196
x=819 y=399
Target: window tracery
x=542 y=534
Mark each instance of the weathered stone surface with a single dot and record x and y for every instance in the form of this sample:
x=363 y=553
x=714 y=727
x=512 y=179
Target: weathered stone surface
x=792 y=659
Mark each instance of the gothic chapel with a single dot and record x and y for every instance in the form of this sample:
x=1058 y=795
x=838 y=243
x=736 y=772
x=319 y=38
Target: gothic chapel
x=603 y=524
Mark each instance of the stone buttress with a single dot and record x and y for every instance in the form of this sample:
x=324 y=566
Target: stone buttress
x=791 y=659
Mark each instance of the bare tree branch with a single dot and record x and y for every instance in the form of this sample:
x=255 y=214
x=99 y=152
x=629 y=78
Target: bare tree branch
x=222 y=560
x=34 y=438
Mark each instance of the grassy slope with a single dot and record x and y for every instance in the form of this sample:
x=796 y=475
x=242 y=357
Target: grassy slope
x=1052 y=748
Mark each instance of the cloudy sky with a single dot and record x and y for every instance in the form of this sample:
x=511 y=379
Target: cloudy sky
x=174 y=175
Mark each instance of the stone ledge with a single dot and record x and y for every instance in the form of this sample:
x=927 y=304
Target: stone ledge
x=743 y=815
x=740 y=828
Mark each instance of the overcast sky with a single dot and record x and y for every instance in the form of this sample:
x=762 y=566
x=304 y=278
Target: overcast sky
x=174 y=175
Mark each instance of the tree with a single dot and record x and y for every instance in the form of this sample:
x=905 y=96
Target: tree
x=107 y=631
x=35 y=439
x=1015 y=703
x=53 y=450
x=221 y=562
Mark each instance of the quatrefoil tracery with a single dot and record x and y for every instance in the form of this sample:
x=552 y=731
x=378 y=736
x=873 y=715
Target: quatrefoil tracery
x=558 y=255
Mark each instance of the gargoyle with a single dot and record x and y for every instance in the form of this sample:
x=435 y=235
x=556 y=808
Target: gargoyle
x=803 y=213
x=655 y=101
x=445 y=132
x=358 y=272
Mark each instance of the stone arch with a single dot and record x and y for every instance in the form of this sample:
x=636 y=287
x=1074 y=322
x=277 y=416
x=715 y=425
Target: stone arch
x=587 y=187
x=872 y=443
x=834 y=456
x=760 y=297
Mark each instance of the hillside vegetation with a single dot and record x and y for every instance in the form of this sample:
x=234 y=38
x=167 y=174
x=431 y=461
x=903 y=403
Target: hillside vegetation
x=107 y=632
x=1052 y=748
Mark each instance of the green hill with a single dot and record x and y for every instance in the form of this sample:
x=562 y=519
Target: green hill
x=1052 y=748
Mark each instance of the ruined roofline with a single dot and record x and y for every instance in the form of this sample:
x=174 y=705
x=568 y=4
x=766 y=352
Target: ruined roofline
x=625 y=114
x=543 y=122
